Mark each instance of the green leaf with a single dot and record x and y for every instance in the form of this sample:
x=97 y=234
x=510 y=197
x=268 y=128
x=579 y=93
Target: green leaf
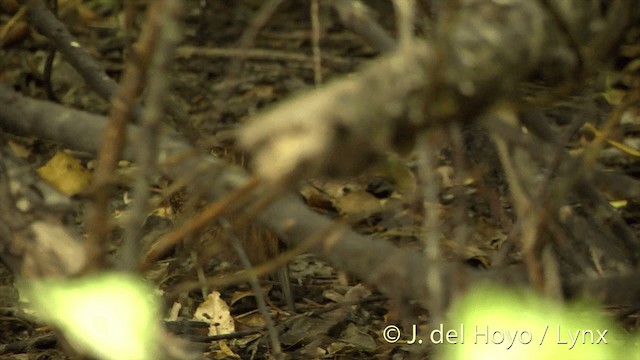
x=109 y=315
x=498 y=323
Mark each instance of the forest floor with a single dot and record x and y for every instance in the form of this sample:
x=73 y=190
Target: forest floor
x=220 y=85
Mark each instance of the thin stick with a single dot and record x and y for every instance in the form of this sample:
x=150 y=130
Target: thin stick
x=210 y=213
x=257 y=290
x=315 y=41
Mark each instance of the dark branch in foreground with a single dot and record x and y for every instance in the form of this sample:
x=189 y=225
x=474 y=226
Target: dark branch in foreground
x=399 y=273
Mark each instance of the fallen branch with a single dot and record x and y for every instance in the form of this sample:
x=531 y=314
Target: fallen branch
x=399 y=273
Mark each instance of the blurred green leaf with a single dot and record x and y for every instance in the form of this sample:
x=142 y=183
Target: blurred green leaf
x=499 y=323
x=109 y=315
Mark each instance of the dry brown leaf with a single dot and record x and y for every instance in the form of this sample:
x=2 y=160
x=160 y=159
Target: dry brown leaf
x=215 y=312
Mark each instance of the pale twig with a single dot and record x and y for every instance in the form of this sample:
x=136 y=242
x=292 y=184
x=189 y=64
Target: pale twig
x=257 y=290
x=115 y=136
x=147 y=152
x=315 y=41
x=430 y=233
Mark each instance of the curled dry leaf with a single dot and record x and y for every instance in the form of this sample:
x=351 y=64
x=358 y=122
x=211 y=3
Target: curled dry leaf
x=215 y=312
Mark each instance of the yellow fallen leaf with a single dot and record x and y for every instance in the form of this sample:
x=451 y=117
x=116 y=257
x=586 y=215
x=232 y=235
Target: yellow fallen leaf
x=617 y=204
x=65 y=173
x=226 y=350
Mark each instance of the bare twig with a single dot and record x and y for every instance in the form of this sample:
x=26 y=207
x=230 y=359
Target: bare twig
x=261 y=18
x=209 y=214
x=114 y=137
x=326 y=236
x=91 y=71
x=356 y=16
x=266 y=54
x=430 y=233
x=315 y=41
x=146 y=159
x=257 y=290
x=405 y=15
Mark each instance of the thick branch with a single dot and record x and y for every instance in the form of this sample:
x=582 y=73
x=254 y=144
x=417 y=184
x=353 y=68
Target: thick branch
x=91 y=71
x=398 y=272
x=480 y=53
